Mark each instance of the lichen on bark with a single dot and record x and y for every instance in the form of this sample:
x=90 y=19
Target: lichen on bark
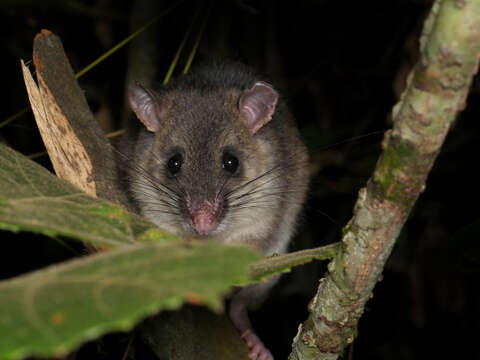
x=436 y=92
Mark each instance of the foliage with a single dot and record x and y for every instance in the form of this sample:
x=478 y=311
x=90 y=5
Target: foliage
x=53 y=310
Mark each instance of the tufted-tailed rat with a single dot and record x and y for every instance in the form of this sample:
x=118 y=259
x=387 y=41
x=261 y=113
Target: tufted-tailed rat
x=219 y=158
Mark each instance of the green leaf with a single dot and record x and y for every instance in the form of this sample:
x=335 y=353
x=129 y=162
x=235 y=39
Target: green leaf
x=33 y=199
x=51 y=311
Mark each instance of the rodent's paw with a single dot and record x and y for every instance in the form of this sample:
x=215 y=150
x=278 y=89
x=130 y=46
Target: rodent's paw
x=258 y=351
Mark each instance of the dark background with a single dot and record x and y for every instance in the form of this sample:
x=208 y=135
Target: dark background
x=341 y=66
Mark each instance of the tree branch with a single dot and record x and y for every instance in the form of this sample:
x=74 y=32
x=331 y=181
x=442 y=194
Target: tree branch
x=436 y=92
x=274 y=264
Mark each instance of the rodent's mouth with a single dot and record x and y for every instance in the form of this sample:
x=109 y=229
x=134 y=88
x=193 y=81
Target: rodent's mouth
x=189 y=230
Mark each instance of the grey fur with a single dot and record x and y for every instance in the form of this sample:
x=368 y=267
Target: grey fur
x=198 y=115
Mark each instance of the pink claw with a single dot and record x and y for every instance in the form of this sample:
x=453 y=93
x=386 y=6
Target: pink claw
x=258 y=351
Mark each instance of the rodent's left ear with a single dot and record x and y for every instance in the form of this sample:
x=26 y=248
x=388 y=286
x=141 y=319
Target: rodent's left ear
x=257 y=105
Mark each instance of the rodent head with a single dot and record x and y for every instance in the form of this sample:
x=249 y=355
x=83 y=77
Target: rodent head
x=205 y=166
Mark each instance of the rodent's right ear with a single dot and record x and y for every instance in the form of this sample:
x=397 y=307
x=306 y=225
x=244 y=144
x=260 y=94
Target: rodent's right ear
x=147 y=105
x=257 y=105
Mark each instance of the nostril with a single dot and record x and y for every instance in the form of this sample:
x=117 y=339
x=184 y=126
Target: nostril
x=205 y=215
x=204 y=221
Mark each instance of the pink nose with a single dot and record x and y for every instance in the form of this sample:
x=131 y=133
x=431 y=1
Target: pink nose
x=204 y=221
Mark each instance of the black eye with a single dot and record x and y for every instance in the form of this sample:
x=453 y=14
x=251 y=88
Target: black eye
x=175 y=163
x=229 y=162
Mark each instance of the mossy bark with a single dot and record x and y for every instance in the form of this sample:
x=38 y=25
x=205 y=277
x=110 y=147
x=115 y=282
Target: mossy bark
x=436 y=93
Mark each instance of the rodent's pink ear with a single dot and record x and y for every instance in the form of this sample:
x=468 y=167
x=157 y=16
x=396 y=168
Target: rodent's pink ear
x=146 y=105
x=257 y=105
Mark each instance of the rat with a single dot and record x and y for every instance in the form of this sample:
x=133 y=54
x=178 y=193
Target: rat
x=219 y=158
